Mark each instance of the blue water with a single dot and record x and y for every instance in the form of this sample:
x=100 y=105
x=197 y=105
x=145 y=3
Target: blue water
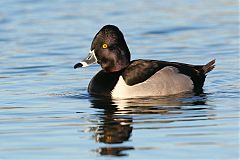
x=46 y=112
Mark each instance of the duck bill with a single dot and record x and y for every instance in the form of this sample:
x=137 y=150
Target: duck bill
x=90 y=59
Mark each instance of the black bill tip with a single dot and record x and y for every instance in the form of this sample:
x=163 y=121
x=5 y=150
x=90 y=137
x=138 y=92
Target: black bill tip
x=78 y=65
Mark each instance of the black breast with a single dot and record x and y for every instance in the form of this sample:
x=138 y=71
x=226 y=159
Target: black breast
x=103 y=83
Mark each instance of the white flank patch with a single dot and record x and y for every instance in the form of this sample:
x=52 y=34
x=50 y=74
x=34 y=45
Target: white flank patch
x=166 y=81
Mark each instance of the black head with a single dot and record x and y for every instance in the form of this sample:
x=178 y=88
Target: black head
x=110 y=49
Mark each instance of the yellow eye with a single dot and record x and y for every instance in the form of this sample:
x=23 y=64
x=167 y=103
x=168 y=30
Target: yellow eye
x=104 y=45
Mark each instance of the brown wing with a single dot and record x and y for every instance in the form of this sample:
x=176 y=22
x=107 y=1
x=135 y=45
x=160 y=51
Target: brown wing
x=140 y=70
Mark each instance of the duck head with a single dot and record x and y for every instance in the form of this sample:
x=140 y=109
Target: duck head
x=109 y=49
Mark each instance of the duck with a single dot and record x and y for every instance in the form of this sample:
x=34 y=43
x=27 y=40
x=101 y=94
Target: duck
x=121 y=77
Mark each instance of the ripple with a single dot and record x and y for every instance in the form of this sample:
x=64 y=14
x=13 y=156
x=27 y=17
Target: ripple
x=26 y=69
x=31 y=67
x=174 y=30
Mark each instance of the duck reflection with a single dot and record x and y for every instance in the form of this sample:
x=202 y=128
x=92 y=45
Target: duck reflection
x=116 y=117
x=113 y=129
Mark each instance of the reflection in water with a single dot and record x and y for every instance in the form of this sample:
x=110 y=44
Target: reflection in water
x=116 y=117
x=114 y=151
x=112 y=129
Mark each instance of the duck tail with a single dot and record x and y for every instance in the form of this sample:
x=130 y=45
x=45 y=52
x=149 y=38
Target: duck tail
x=209 y=66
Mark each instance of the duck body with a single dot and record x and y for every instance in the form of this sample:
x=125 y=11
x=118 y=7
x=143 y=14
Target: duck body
x=122 y=78
x=149 y=78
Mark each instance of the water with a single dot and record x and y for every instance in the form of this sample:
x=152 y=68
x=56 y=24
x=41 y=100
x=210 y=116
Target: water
x=46 y=112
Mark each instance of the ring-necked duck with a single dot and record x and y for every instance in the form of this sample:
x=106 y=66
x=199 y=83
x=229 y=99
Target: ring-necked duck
x=120 y=77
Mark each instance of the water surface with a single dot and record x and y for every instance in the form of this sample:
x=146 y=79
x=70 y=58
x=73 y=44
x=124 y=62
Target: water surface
x=46 y=112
